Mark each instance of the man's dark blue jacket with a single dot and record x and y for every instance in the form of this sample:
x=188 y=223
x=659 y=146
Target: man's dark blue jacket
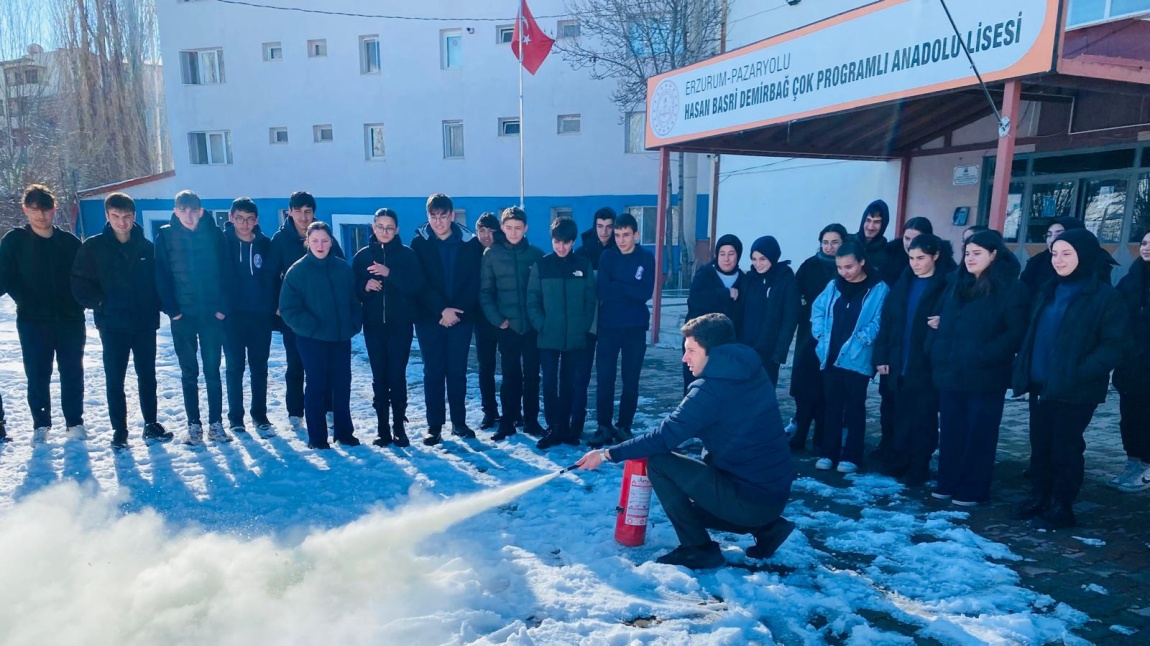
x=732 y=408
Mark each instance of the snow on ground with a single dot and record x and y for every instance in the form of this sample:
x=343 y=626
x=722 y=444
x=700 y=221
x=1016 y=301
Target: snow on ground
x=266 y=541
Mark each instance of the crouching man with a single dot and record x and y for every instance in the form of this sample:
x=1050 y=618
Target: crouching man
x=744 y=479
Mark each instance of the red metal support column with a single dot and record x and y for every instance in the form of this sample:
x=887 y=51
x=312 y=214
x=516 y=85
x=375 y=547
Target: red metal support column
x=1011 y=97
x=903 y=191
x=660 y=234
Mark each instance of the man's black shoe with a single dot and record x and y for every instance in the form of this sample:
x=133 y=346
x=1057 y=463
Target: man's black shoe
x=321 y=446
x=505 y=431
x=490 y=420
x=698 y=557
x=350 y=440
x=157 y=433
x=382 y=440
x=533 y=429
x=1030 y=508
x=119 y=440
x=4 y=432
x=571 y=438
x=550 y=438
x=399 y=435
x=462 y=430
x=1058 y=515
x=603 y=436
x=434 y=436
x=769 y=538
x=623 y=433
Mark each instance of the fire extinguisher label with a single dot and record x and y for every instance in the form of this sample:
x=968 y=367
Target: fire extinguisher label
x=638 y=501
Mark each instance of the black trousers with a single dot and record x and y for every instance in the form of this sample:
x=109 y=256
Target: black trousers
x=1134 y=424
x=388 y=350
x=41 y=343
x=519 y=362
x=1057 y=447
x=697 y=497
x=118 y=347
x=247 y=339
x=631 y=344
x=444 y=351
x=968 y=442
x=486 y=350
x=915 y=430
x=204 y=335
x=560 y=372
x=328 y=368
x=807 y=389
x=845 y=408
x=293 y=398
x=583 y=384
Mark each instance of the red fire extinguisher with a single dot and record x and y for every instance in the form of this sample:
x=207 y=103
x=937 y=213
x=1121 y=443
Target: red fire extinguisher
x=634 y=504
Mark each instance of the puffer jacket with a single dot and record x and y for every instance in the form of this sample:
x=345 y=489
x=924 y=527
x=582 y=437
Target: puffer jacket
x=191 y=274
x=318 y=299
x=561 y=301
x=396 y=303
x=117 y=281
x=503 y=283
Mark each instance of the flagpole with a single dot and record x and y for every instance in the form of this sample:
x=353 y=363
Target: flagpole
x=520 y=30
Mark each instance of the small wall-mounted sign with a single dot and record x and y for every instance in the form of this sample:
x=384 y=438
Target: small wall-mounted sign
x=966 y=175
x=961 y=215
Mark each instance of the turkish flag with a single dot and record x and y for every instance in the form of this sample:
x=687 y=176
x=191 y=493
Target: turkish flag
x=536 y=44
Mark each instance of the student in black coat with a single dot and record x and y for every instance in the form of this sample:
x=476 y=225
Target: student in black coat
x=768 y=306
x=980 y=327
x=806 y=374
x=487 y=234
x=715 y=288
x=1038 y=269
x=114 y=275
x=1077 y=335
x=388 y=282
x=1132 y=377
x=248 y=329
x=900 y=354
x=872 y=227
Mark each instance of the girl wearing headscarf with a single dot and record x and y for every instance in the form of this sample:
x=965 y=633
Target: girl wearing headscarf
x=806 y=377
x=769 y=306
x=715 y=288
x=319 y=304
x=981 y=325
x=900 y=355
x=1132 y=378
x=845 y=322
x=1039 y=270
x=1075 y=338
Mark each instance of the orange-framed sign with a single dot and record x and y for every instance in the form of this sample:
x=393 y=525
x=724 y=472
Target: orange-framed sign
x=886 y=51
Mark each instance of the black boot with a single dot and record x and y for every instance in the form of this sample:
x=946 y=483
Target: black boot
x=154 y=432
x=399 y=436
x=463 y=430
x=533 y=428
x=490 y=420
x=384 y=432
x=120 y=439
x=1030 y=508
x=4 y=432
x=696 y=557
x=603 y=436
x=1058 y=515
x=434 y=436
x=769 y=538
x=551 y=438
x=505 y=431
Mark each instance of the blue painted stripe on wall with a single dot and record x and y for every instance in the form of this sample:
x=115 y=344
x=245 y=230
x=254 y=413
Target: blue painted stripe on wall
x=411 y=210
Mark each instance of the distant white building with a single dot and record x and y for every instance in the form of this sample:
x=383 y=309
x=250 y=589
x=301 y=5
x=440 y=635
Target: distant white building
x=372 y=112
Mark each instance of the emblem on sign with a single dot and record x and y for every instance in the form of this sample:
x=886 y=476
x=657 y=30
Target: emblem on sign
x=664 y=108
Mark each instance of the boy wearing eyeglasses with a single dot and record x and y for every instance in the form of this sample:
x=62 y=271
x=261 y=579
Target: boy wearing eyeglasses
x=248 y=329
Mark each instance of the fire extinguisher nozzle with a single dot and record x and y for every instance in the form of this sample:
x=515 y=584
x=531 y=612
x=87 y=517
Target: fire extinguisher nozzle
x=571 y=467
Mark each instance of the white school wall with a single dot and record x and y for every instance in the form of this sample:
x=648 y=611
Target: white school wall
x=793 y=199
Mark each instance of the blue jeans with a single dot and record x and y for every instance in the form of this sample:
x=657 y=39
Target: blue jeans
x=208 y=334
x=247 y=339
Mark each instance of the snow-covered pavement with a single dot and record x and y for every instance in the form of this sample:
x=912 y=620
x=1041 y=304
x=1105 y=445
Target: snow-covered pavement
x=265 y=541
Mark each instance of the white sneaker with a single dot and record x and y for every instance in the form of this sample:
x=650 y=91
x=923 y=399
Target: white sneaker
x=216 y=433
x=791 y=428
x=847 y=467
x=237 y=428
x=1134 y=469
x=824 y=464
x=266 y=430
x=77 y=432
x=1139 y=482
x=295 y=422
x=195 y=435
x=40 y=435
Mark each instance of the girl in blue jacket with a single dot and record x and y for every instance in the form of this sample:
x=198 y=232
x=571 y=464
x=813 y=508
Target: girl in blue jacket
x=845 y=323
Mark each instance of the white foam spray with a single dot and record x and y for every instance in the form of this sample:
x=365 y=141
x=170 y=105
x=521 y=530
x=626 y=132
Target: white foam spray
x=74 y=570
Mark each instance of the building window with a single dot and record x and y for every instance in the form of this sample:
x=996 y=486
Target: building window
x=646 y=217
x=369 y=61
x=509 y=127
x=210 y=148
x=1084 y=12
x=570 y=124
x=278 y=135
x=451 y=49
x=567 y=29
x=202 y=67
x=373 y=140
x=636 y=132
x=273 y=51
x=561 y=212
x=453 y=140
x=322 y=133
x=219 y=217
x=317 y=48
x=461 y=216
x=504 y=34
